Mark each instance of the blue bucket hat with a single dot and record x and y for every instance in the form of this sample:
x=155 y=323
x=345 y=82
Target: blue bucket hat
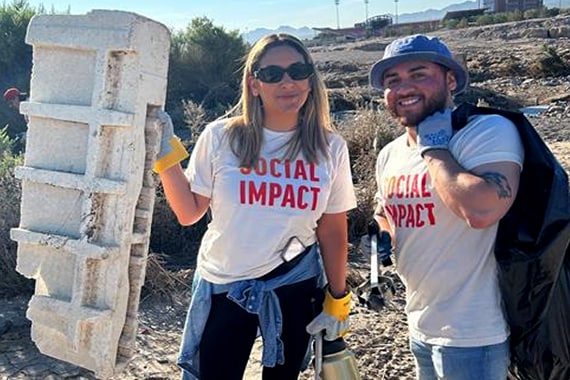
x=418 y=47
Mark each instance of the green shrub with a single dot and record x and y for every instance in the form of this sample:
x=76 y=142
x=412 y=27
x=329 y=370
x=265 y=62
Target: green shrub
x=549 y=64
x=205 y=62
x=463 y=23
x=515 y=16
x=16 y=57
x=450 y=24
x=485 y=19
x=532 y=13
x=6 y=143
x=11 y=282
x=501 y=18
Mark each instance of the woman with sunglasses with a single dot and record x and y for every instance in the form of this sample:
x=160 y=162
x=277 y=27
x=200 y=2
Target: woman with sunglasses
x=277 y=180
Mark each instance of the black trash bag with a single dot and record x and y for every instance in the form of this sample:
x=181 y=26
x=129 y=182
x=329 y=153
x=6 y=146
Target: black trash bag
x=542 y=351
x=532 y=251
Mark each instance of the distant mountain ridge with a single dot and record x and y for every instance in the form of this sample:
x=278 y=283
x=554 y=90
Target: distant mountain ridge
x=302 y=33
x=429 y=14
x=435 y=14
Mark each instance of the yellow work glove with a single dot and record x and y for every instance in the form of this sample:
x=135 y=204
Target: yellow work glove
x=334 y=317
x=171 y=149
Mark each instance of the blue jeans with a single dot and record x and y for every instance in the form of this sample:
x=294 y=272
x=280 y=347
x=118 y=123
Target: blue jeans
x=460 y=363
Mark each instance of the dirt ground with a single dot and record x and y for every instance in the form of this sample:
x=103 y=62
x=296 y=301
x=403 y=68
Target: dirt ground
x=500 y=70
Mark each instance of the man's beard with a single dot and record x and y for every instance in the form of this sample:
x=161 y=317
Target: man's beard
x=438 y=102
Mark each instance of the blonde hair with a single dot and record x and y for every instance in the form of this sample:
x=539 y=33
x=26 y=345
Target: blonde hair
x=246 y=130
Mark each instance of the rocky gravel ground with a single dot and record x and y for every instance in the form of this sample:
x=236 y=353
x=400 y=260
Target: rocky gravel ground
x=510 y=68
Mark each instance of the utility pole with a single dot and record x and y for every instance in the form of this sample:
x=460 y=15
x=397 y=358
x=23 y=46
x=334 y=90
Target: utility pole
x=396 y=4
x=337 y=20
x=366 y=11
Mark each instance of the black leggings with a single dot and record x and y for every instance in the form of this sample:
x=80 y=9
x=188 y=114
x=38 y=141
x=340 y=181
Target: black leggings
x=231 y=331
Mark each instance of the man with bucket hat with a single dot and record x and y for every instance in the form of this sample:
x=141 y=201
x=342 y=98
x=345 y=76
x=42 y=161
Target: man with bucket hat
x=441 y=194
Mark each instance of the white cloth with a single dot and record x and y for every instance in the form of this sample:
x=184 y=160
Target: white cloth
x=256 y=212
x=449 y=269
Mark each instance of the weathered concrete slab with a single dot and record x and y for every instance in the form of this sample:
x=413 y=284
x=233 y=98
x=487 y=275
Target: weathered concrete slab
x=87 y=187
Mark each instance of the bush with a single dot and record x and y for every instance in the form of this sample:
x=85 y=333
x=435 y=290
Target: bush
x=485 y=19
x=450 y=24
x=463 y=23
x=205 y=62
x=501 y=18
x=515 y=16
x=550 y=64
x=366 y=134
x=11 y=282
x=16 y=58
x=532 y=13
x=195 y=117
x=168 y=237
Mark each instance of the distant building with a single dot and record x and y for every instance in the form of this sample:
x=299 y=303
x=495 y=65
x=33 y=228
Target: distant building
x=413 y=27
x=374 y=26
x=375 y=23
x=512 y=5
x=467 y=13
x=343 y=33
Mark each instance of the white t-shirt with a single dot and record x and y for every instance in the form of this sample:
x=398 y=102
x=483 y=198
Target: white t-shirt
x=449 y=269
x=256 y=212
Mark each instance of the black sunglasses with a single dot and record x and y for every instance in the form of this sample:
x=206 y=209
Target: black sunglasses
x=274 y=74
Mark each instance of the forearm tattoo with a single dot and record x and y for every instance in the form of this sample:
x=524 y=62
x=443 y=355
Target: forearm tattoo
x=500 y=181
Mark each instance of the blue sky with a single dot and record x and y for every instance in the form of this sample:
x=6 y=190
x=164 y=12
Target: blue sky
x=251 y=14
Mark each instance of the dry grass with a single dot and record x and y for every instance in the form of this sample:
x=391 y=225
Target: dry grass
x=551 y=63
x=164 y=283
x=366 y=133
x=11 y=282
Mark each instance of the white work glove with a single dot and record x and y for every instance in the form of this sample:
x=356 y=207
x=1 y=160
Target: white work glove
x=435 y=131
x=333 y=320
x=383 y=243
x=171 y=149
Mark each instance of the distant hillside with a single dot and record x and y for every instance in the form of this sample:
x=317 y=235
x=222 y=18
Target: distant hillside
x=302 y=33
x=430 y=14
x=435 y=14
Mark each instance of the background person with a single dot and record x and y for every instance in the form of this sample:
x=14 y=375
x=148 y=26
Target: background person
x=277 y=180
x=441 y=195
x=13 y=97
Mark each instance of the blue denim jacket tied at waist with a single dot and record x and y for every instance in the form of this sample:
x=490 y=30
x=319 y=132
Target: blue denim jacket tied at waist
x=254 y=296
